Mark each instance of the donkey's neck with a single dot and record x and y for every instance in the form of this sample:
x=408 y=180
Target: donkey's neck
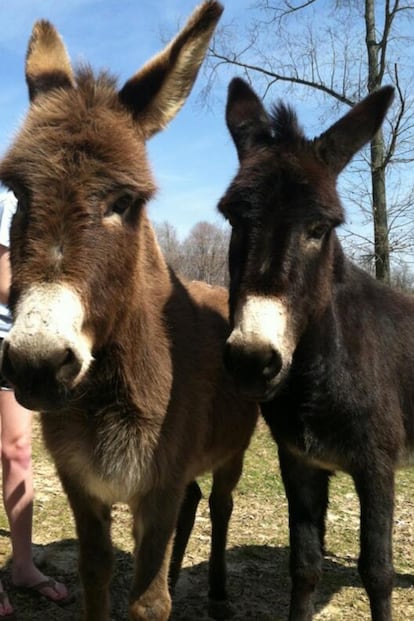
x=139 y=352
x=151 y=282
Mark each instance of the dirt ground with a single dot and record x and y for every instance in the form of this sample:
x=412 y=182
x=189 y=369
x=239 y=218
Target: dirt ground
x=257 y=550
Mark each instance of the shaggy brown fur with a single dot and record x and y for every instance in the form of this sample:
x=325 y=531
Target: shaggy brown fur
x=154 y=408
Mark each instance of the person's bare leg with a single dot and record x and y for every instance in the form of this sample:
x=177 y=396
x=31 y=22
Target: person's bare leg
x=18 y=494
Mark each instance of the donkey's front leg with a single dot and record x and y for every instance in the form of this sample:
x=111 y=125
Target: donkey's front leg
x=375 y=488
x=93 y=521
x=307 y=493
x=155 y=519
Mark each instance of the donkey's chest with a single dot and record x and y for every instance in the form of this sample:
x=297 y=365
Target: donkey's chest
x=313 y=425
x=305 y=440
x=108 y=454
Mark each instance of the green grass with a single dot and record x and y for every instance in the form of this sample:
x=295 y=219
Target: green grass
x=257 y=547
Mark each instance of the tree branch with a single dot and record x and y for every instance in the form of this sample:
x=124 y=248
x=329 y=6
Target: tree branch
x=396 y=128
x=283 y=78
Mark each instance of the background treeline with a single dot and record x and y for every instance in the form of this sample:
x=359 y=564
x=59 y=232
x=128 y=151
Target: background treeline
x=202 y=255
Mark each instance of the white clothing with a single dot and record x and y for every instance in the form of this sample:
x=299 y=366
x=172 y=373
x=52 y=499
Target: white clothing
x=8 y=204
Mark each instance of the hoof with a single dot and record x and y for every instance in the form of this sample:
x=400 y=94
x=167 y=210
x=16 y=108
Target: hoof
x=157 y=611
x=220 y=609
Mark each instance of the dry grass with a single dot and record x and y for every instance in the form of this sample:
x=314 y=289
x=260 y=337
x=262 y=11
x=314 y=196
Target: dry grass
x=257 y=549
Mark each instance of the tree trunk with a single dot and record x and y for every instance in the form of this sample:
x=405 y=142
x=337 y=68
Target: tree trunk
x=379 y=200
x=379 y=209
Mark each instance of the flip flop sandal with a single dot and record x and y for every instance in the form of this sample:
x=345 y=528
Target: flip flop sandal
x=38 y=588
x=3 y=597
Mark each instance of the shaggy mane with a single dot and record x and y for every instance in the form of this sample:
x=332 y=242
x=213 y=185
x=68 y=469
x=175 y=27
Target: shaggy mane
x=96 y=87
x=285 y=125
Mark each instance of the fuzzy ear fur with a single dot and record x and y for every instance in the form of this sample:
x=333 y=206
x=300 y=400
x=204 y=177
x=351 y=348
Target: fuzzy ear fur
x=47 y=62
x=347 y=136
x=156 y=93
x=247 y=120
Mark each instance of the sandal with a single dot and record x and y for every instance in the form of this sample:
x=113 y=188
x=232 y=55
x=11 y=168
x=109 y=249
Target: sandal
x=7 y=607
x=50 y=583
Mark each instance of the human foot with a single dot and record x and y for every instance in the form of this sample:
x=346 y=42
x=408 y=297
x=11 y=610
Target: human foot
x=49 y=588
x=6 y=609
x=35 y=581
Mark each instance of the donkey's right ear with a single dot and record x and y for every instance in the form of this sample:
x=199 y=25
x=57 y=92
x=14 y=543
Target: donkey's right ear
x=155 y=94
x=47 y=61
x=246 y=117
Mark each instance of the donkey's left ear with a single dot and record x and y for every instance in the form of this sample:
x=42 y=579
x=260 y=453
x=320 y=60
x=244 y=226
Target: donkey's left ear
x=348 y=135
x=246 y=117
x=156 y=93
x=47 y=61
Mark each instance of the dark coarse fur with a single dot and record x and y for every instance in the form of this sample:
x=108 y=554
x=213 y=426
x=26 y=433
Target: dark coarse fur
x=154 y=408
x=346 y=400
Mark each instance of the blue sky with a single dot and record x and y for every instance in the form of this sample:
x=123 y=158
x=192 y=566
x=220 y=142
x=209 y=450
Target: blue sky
x=193 y=159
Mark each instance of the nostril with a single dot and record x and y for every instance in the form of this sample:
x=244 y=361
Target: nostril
x=68 y=357
x=7 y=367
x=4 y=350
x=273 y=364
x=69 y=365
x=249 y=363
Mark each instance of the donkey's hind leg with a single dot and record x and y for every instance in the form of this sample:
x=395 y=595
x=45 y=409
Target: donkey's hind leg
x=225 y=480
x=185 y=525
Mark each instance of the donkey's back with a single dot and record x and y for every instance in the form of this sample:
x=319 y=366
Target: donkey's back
x=377 y=344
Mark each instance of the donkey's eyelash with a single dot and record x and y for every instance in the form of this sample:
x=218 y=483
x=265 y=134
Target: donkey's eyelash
x=317 y=231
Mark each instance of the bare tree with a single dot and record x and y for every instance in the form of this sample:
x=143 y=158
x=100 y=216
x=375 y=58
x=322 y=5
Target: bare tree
x=201 y=256
x=403 y=279
x=205 y=254
x=170 y=245
x=339 y=55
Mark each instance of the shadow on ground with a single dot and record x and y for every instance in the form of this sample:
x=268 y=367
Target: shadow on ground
x=257 y=579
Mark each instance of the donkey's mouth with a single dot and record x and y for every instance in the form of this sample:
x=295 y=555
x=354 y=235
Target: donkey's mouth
x=36 y=387
x=260 y=389
x=45 y=397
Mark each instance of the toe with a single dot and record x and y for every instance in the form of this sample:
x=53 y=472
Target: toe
x=56 y=591
x=5 y=607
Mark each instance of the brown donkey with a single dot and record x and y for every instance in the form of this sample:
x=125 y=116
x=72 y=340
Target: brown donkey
x=122 y=359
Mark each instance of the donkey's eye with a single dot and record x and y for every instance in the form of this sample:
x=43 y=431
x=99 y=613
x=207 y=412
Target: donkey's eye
x=120 y=205
x=317 y=231
x=232 y=221
x=126 y=206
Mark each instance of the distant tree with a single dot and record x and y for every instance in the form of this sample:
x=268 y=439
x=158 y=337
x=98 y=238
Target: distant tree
x=170 y=245
x=403 y=278
x=205 y=254
x=341 y=53
x=201 y=256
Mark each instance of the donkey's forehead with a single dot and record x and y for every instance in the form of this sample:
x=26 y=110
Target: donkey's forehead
x=68 y=134
x=275 y=174
x=288 y=166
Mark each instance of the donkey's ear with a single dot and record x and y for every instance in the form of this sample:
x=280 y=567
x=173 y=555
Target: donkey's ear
x=156 y=93
x=347 y=136
x=47 y=62
x=247 y=120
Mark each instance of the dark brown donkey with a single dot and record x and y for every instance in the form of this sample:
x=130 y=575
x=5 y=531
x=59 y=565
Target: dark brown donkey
x=122 y=358
x=328 y=349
